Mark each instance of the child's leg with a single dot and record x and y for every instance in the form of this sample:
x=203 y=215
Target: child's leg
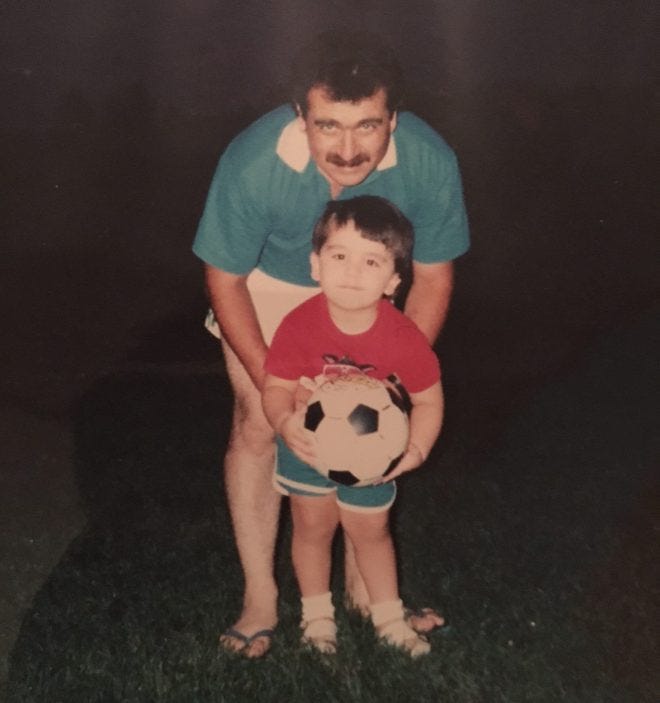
x=374 y=552
x=315 y=521
x=376 y=559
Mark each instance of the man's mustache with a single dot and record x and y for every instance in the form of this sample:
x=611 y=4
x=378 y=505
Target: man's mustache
x=355 y=161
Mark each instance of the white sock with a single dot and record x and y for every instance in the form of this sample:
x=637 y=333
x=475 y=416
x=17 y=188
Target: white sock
x=386 y=611
x=388 y=619
x=314 y=607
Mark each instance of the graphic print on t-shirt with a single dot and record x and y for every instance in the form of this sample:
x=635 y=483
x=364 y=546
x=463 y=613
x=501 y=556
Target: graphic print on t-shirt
x=342 y=366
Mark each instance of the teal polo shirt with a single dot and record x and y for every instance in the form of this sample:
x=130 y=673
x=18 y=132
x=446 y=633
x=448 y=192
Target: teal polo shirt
x=267 y=194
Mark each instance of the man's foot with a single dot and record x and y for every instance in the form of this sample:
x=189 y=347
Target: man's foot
x=251 y=646
x=423 y=620
x=251 y=635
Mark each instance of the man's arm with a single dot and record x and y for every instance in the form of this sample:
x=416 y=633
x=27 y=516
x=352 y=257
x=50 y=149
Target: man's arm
x=427 y=303
x=235 y=313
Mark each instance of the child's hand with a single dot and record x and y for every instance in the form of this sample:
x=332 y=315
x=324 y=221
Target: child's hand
x=412 y=459
x=293 y=432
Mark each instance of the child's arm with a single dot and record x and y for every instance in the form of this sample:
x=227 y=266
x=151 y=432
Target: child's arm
x=425 y=423
x=286 y=416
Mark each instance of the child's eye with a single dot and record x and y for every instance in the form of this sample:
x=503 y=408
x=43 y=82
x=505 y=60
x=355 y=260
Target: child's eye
x=339 y=257
x=372 y=262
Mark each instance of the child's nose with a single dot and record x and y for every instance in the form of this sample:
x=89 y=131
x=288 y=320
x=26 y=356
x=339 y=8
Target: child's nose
x=354 y=269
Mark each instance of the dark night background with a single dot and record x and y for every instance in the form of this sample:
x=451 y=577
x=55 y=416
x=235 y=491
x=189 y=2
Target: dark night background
x=112 y=119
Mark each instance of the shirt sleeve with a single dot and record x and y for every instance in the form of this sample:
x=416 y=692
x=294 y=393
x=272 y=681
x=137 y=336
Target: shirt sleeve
x=234 y=225
x=284 y=357
x=418 y=367
x=440 y=221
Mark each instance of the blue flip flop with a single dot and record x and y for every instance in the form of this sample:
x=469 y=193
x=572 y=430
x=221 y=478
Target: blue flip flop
x=267 y=633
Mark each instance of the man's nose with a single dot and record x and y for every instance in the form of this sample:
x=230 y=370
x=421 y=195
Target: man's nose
x=347 y=145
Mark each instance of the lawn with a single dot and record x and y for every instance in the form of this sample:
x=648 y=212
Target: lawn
x=538 y=547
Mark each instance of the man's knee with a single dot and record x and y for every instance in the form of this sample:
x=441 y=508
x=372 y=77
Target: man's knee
x=251 y=431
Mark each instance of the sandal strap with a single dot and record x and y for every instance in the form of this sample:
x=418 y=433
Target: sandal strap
x=398 y=633
x=320 y=633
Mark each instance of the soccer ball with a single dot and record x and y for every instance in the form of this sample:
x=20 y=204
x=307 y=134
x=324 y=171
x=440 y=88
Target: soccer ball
x=359 y=426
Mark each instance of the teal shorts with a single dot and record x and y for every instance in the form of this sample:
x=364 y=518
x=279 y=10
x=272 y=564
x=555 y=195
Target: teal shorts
x=294 y=477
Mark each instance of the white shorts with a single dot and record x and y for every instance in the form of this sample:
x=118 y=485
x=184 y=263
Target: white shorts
x=272 y=299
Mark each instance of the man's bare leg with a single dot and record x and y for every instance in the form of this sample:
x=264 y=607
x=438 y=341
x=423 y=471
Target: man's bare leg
x=254 y=507
x=357 y=597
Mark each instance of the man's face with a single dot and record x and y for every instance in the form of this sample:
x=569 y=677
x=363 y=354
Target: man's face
x=347 y=140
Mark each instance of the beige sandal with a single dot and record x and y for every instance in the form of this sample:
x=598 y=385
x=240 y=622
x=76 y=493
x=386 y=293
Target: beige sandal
x=321 y=634
x=318 y=623
x=390 y=624
x=400 y=634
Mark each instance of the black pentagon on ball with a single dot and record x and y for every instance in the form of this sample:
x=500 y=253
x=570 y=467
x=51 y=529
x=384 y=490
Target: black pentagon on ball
x=346 y=478
x=313 y=416
x=363 y=419
x=399 y=401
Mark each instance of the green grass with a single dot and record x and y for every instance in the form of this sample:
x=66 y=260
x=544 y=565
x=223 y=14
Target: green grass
x=538 y=551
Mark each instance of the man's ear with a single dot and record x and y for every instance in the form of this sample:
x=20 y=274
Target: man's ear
x=392 y=285
x=393 y=121
x=314 y=267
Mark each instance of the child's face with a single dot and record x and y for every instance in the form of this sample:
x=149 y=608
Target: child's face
x=354 y=272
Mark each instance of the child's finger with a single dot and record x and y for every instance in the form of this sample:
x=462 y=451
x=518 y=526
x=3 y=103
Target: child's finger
x=408 y=462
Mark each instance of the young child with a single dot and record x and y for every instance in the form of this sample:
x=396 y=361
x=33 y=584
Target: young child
x=361 y=250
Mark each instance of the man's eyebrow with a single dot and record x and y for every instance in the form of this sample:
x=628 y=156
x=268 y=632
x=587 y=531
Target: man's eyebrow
x=367 y=120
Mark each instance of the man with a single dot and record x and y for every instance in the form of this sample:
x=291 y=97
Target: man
x=343 y=137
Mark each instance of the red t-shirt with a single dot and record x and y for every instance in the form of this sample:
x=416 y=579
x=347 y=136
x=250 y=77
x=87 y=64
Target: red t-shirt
x=307 y=340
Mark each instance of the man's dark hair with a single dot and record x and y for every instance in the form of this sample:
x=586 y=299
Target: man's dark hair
x=351 y=65
x=376 y=219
